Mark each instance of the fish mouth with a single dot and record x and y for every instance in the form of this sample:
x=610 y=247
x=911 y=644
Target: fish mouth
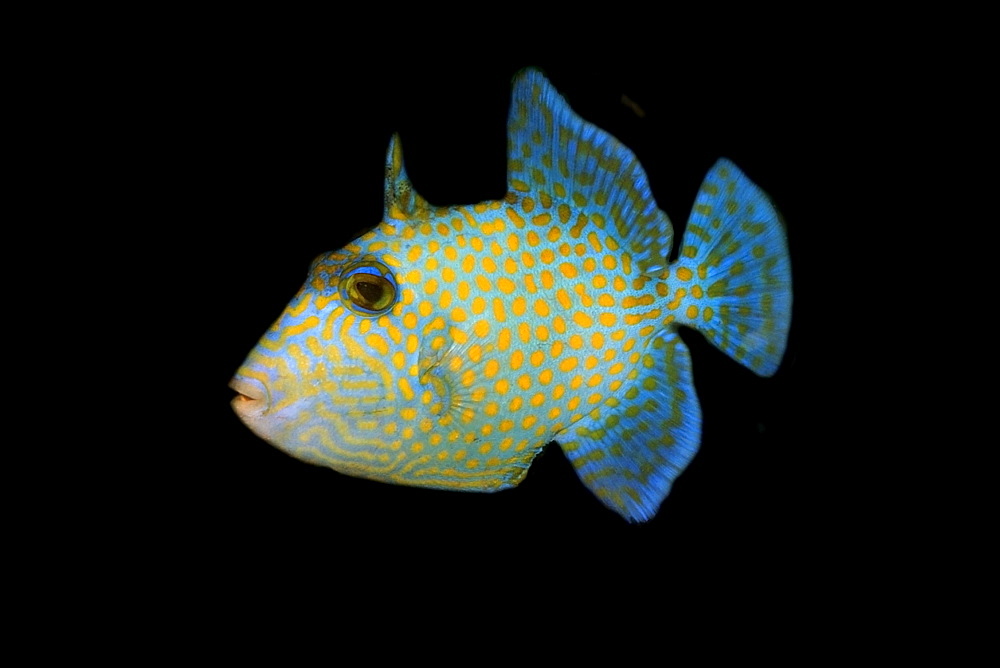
x=252 y=399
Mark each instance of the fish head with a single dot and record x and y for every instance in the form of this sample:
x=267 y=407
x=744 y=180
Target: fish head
x=321 y=382
x=383 y=365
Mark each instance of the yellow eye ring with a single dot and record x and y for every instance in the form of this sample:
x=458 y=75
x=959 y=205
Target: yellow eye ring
x=368 y=287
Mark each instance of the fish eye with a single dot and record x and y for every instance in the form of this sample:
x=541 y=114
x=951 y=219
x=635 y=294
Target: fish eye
x=368 y=287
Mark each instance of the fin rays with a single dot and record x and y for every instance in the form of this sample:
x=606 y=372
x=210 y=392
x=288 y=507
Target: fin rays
x=584 y=168
x=735 y=249
x=630 y=454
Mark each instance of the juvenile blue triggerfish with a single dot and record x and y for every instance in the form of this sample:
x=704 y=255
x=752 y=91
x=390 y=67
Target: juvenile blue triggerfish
x=447 y=346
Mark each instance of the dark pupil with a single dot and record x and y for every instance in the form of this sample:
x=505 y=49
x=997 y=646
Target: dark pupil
x=370 y=292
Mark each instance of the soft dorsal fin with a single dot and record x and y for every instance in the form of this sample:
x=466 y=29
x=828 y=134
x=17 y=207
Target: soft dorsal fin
x=402 y=202
x=568 y=166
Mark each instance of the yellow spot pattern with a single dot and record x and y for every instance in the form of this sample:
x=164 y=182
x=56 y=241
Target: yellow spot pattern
x=532 y=318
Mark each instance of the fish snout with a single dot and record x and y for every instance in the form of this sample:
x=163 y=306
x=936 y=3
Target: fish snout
x=252 y=400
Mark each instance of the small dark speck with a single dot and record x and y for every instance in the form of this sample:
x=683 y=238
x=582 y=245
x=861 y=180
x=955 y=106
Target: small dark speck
x=628 y=102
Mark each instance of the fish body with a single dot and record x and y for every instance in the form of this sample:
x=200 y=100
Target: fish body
x=448 y=345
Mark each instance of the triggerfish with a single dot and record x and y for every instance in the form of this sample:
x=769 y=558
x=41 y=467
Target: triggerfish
x=448 y=345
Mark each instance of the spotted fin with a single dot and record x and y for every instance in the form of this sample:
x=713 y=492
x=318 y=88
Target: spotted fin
x=735 y=253
x=629 y=454
x=402 y=202
x=555 y=157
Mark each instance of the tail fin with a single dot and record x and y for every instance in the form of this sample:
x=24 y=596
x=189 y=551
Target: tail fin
x=734 y=273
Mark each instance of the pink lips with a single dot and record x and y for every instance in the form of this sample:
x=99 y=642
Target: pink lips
x=252 y=398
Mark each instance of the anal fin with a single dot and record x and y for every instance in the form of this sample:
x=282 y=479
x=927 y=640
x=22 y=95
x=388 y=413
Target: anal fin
x=629 y=452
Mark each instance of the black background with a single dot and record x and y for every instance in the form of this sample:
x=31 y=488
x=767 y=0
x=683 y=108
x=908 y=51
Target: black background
x=269 y=160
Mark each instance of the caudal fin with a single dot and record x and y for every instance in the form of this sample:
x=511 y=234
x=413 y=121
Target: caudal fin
x=733 y=270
